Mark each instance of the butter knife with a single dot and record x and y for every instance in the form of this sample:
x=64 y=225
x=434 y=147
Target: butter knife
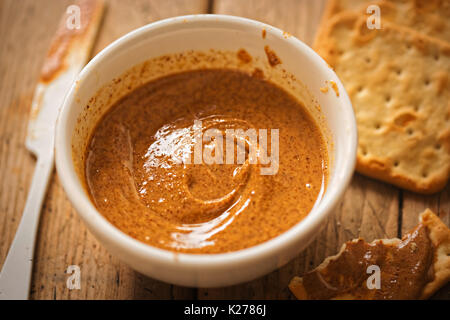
x=68 y=53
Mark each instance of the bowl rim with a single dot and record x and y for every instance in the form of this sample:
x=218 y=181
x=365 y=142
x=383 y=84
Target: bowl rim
x=102 y=227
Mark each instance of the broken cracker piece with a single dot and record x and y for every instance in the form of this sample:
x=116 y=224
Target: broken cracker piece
x=414 y=267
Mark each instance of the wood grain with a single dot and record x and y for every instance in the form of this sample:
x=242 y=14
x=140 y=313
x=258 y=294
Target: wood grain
x=369 y=209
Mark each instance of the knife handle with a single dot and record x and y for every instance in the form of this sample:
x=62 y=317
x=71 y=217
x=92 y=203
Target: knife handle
x=15 y=277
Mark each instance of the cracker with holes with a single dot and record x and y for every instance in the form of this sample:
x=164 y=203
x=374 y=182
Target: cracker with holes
x=431 y=17
x=398 y=81
x=414 y=267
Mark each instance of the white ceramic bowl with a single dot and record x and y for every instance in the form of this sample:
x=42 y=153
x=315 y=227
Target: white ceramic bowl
x=202 y=32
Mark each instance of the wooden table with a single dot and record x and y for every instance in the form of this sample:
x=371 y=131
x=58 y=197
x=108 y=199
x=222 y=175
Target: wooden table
x=370 y=209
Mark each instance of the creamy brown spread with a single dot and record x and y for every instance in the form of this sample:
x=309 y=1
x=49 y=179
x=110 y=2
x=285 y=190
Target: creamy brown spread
x=405 y=268
x=137 y=181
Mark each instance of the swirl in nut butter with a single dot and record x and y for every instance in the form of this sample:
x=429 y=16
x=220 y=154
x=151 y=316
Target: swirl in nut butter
x=142 y=175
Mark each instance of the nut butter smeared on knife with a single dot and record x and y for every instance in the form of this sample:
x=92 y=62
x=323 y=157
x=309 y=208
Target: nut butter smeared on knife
x=68 y=53
x=411 y=268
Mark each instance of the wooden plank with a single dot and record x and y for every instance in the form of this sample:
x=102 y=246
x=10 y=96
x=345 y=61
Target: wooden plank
x=369 y=208
x=298 y=17
x=122 y=17
x=26 y=28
